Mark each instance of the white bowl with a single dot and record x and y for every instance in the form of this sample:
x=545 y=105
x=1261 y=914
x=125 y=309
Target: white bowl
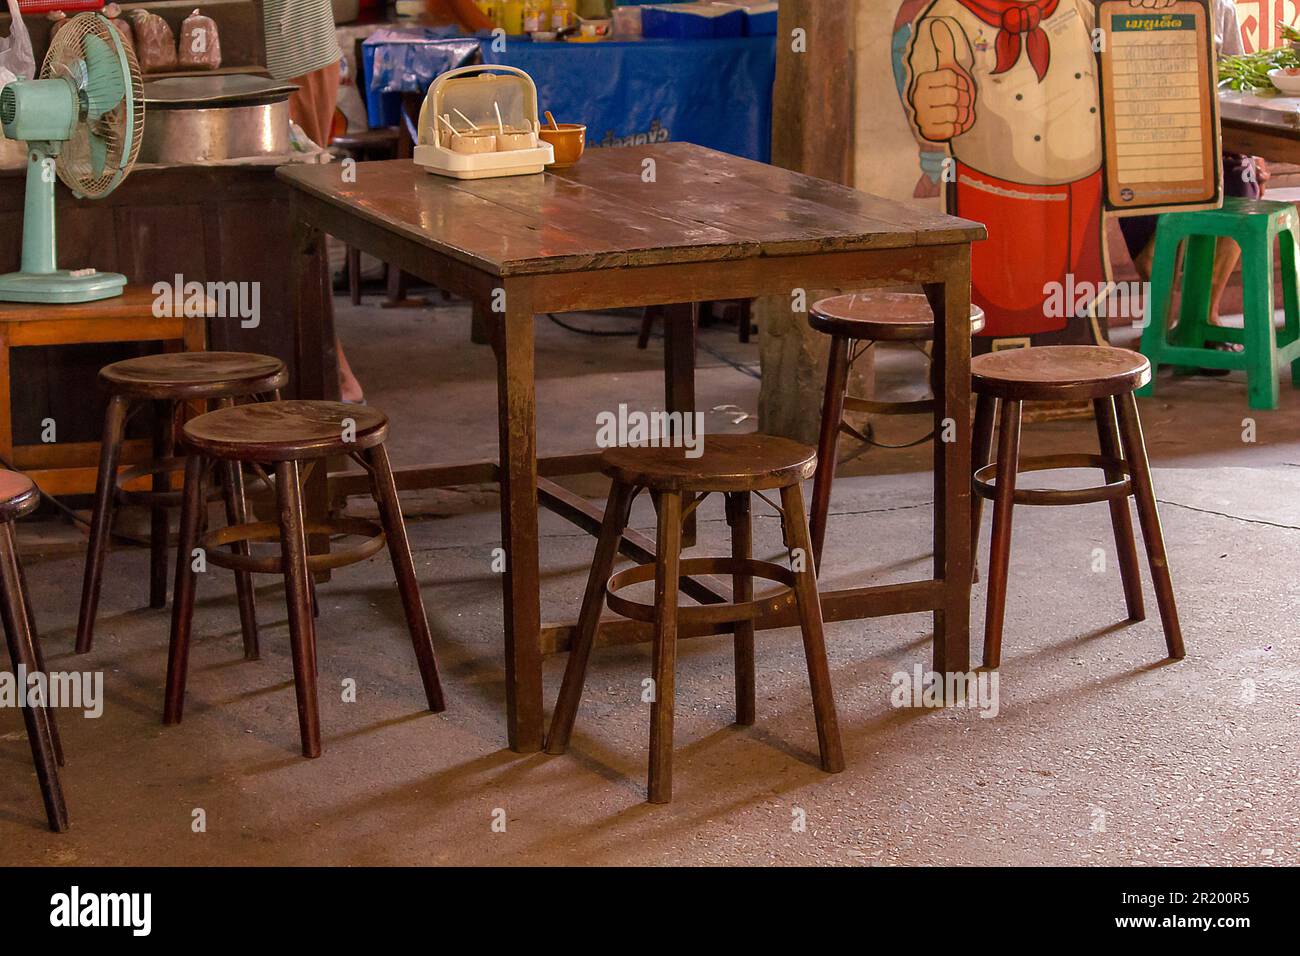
x=1289 y=85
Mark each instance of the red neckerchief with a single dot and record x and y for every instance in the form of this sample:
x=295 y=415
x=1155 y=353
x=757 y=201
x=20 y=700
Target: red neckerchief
x=1016 y=18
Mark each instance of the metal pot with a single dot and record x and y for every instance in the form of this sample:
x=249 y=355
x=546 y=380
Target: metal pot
x=212 y=118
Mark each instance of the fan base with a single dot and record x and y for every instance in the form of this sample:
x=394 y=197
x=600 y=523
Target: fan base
x=60 y=286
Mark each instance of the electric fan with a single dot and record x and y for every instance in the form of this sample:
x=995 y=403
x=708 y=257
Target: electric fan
x=82 y=119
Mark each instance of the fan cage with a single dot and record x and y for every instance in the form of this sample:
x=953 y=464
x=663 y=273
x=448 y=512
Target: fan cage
x=65 y=59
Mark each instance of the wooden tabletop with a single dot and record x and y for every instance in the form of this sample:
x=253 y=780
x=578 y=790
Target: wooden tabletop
x=614 y=209
x=134 y=302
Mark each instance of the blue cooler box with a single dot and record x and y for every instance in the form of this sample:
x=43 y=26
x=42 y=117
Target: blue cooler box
x=760 y=15
x=692 y=21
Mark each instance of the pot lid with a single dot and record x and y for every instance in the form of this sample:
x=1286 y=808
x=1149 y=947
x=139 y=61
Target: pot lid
x=215 y=90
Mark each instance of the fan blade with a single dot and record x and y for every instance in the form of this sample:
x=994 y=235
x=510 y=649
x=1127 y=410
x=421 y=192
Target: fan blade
x=98 y=154
x=105 y=84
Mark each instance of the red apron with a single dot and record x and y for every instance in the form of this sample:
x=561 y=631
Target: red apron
x=1036 y=236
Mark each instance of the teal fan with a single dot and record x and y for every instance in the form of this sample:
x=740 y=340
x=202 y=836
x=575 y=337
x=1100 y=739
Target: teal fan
x=82 y=119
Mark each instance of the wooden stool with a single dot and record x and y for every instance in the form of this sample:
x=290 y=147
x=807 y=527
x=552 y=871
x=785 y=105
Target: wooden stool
x=165 y=381
x=285 y=434
x=855 y=323
x=735 y=466
x=18 y=497
x=1109 y=377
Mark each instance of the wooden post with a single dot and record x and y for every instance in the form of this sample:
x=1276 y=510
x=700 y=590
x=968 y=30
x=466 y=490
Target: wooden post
x=812 y=132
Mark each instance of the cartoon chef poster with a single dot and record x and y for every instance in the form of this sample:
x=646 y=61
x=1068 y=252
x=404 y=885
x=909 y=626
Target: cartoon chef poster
x=1007 y=91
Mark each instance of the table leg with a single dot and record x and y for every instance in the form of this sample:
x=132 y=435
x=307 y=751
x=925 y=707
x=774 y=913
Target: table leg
x=681 y=322
x=521 y=583
x=950 y=300
x=315 y=361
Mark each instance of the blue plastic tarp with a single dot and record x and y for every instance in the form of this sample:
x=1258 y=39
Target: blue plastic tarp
x=711 y=92
x=407 y=60
x=715 y=93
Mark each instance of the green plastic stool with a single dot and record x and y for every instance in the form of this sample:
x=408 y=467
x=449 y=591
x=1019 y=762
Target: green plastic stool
x=1254 y=224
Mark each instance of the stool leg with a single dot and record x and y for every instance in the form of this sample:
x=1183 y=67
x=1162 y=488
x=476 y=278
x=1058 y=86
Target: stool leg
x=1135 y=452
x=163 y=445
x=617 y=510
x=1120 y=519
x=178 y=654
x=1287 y=240
x=814 y=640
x=101 y=522
x=38 y=654
x=742 y=589
x=297 y=587
x=986 y=409
x=837 y=379
x=232 y=488
x=408 y=586
x=667 y=572
x=1262 y=388
x=22 y=651
x=1000 y=548
x=1198 y=282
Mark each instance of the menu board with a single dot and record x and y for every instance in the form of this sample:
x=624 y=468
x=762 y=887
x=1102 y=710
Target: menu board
x=1159 y=97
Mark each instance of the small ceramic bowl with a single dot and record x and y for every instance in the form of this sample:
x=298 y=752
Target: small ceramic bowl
x=1285 y=83
x=474 y=141
x=516 y=139
x=569 y=141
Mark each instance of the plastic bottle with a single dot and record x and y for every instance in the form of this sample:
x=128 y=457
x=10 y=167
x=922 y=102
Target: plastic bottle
x=511 y=14
x=561 y=15
x=533 y=16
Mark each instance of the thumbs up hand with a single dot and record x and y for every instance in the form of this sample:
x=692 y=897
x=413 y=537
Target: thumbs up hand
x=943 y=99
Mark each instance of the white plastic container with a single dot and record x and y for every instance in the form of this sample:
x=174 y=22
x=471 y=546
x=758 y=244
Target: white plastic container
x=499 y=100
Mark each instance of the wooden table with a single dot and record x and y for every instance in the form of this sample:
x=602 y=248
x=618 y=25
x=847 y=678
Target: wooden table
x=669 y=225
x=1261 y=124
x=63 y=467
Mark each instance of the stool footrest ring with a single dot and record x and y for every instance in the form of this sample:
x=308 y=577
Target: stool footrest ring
x=147 y=469
x=854 y=403
x=985 y=481
x=705 y=613
x=214 y=544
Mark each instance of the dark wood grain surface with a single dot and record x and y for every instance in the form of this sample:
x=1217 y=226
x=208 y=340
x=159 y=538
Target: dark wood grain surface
x=613 y=209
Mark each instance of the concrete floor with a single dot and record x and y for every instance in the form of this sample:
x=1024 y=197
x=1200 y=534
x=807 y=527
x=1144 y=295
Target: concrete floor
x=1102 y=752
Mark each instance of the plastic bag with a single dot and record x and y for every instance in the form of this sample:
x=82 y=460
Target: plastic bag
x=16 y=49
x=155 y=46
x=121 y=24
x=200 y=46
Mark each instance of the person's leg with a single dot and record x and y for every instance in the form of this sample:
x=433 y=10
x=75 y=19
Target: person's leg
x=349 y=388
x=1242 y=177
x=1226 y=256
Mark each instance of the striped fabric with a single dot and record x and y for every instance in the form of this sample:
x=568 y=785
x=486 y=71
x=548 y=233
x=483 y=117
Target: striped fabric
x=299 y=36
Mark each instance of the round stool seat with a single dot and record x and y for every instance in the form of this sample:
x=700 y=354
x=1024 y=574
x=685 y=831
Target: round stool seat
x=728 y=463
x=1059 y=372
x=18 y=495
x=881 y=316
x=286 y=431
x=195 y=375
